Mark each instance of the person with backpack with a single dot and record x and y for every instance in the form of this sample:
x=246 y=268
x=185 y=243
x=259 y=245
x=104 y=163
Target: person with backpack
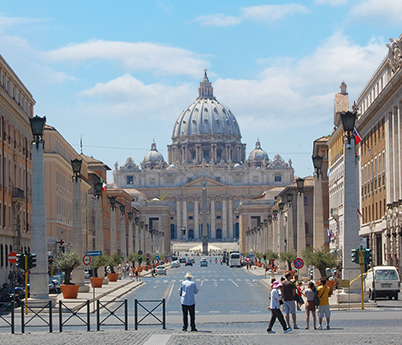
x=323 y=293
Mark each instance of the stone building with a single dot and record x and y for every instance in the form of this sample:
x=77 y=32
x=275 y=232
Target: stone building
x=206 y=142
x=16 y=107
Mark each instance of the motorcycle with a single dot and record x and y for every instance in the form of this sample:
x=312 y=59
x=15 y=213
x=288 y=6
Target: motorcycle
x=54 y=287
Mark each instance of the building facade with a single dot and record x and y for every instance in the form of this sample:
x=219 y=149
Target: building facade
x=16 y=107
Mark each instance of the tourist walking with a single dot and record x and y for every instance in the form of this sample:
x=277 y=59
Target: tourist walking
x=187 y=292
x=323 y=293
x=310 y=305
x=275 y=309
x=288 y=295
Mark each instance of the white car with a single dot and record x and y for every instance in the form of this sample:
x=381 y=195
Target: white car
x=161 y=270
x=175 y=264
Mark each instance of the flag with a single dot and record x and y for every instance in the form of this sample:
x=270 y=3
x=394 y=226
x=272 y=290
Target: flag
x=359 y=214
x=358 y=138
x=330 y=236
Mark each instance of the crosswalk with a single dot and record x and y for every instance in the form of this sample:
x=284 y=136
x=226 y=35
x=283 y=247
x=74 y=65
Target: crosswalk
x=212 y=280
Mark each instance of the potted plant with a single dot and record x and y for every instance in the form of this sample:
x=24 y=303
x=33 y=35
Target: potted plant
x=289 y=258
x=114 y=260
x=99 y=261
x=67 y=262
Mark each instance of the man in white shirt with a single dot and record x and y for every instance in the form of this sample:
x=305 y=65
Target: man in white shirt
x=187 y=292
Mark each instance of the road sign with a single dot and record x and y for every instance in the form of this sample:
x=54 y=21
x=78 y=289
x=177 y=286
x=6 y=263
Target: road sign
x=298 y=263
x=148 y=255
x=12 y=257
x=95 y=253
x=86 y=259
x=140 y=252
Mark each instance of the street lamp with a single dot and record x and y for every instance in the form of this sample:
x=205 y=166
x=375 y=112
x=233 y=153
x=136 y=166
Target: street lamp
x=112 y=200
x=76 y=165
x=289 y=198
x=281 y=206
x=98 y=189
x=300 y=184
x=348 y=122
x=317 y=162
x=275 y=213
x=37 y=125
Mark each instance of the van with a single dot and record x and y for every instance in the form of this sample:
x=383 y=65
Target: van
x=382 y=281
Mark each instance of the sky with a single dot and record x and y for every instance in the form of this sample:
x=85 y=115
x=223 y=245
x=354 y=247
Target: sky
x=119 y=73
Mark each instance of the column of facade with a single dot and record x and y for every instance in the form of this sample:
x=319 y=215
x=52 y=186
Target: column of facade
x=318 y=213
x=99 y=242
x=224 y=219
x=230 y=227
x=136 y=235
x=214 y=157
x=198 y=153
x=301 y=230
x=396 y=161
x=178 y=219
x=196 y=219
x=143 y=239
x=281 y=237
x=213 y=217
x=123 y=237
x=113 y=231
x=185 y=216
x=398 y=111
x=290 y=235
x=130 y=237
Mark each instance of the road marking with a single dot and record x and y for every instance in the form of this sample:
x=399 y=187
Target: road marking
x=239 y=280
x=173 y=312
x=231 y=280
x=222 y=280
x=167 y=290
x=158 y=339
x=170 y=292
x=205 y=280
x=235 y=312
x=214 y=312
x=202 y=283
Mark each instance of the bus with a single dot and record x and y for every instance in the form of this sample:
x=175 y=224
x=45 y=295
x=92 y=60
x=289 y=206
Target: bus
x=234 y=259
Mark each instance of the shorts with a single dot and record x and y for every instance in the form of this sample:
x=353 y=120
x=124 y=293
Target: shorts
x=310 y=306
x=323 y=310
x=289 y=307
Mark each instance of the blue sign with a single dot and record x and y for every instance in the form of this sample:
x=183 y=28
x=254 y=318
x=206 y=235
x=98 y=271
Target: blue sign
x=298 y=263
x=95 y=253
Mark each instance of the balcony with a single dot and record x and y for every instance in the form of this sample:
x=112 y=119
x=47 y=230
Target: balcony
x=17 y=195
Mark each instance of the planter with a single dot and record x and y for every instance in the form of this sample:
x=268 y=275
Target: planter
x=70 y=291
x=98 y=282
x=330 y=283
x=112 y=277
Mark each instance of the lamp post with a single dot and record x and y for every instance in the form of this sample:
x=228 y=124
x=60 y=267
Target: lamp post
x=130 y=232
x=275 y=240
x=351 y=224
x=270 y=233
x=319 y=231
x=136 y=234
x=99 y=244
x=39 y=285
x=113 y=230
x=301 y=229
x=289 y=234
x=77 y=235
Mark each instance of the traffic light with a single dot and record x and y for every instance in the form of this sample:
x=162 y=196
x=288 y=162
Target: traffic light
x=355 y=255
x=50 y=259
x=140 y=260
x=21 y=261
x=31 y=261
x=265 y=258
x=367 y=256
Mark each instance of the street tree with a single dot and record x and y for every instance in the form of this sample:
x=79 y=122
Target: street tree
x=320 y=259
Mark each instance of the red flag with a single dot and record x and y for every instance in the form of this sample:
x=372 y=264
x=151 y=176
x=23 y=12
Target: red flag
x=358 y=138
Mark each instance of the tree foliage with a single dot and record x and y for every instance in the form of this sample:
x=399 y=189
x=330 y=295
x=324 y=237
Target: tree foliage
x=133 y=258
x=289 y=257
x=320 y=259
x=67 y=262
x=99 y=261
x=271 y=255
x=114 y=260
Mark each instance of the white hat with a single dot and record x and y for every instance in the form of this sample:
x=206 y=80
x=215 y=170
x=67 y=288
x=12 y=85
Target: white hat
x=188 y=275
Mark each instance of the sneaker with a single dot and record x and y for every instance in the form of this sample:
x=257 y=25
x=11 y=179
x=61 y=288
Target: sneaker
x=298 y=309
x=295 y=327
x=328 y=327
x=184 y=329
x=288 y=330
x=319 y=327
x=270 y=332
x=194 y=330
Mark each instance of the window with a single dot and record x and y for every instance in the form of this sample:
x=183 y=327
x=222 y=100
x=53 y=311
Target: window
x=189 y=179
x=255 y=179
x=218 y=179
x=169 y=180
x=305 y=201
x=130 y=179
x=278 y=178
x=190 y=207
x=152 y=181
x=218 y=206
x=237 y=179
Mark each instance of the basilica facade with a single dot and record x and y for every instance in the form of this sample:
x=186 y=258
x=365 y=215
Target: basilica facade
x=206 y=150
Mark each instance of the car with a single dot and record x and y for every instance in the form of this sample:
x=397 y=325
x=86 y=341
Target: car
x=161 y=270
x=189 y=263
x=203 y=263
x=175 y=264
x=192 y=260
x=182 y=260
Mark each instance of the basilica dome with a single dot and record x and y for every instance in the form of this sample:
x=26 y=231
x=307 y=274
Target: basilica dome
x=153 y=157
x=258 y=154
x=206 y=116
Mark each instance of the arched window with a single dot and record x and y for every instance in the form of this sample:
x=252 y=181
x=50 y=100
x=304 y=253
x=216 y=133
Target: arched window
x=218 y=234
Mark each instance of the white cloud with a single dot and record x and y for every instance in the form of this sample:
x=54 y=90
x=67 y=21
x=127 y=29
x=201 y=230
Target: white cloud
x=218 y=20
x=262 y=13
x=134 y=56
x=332 y=2
x=16 y=21
x=389 y=11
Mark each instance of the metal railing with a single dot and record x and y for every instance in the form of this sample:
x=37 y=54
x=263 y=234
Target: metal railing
x=37 y=316
x=138 y=303
x=74 y=314
x=7 y=308
x=111 y=314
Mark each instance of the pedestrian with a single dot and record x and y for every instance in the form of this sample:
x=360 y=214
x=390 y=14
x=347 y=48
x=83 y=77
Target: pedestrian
x=299 y=293
x=275 y=309
x=187 y=292
x=130 y=273
x=288 y=295
x=310 y=306
x=136 y=274
x=323 y=293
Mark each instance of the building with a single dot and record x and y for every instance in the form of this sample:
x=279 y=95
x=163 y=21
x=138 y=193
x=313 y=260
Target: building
x=206 y=142
x=16 y=107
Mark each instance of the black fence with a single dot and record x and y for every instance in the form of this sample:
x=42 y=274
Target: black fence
x=149 y=312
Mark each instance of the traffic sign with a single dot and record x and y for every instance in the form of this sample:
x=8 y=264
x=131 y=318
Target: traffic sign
x=148 y=255
x=298 y=263
x=140 y=252
x=95 y=253
x=86 y=259
x=12 y=257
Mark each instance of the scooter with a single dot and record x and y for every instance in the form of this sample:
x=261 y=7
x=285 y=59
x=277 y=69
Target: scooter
x=54 y=287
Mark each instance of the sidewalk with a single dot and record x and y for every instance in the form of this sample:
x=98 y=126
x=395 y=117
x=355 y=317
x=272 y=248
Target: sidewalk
x=333 y=299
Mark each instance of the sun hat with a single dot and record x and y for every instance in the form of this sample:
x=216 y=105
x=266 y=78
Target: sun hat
x=276 y=285
x=188 y=275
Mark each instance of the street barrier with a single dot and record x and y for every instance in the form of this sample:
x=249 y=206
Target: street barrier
x=7 y=308
x=46 y=309
x=73 y=313
x=111 y=313
x=149 y=312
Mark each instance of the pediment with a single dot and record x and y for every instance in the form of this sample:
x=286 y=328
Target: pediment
x=208 y=182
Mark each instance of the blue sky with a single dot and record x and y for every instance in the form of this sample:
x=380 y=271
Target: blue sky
x=118 y=73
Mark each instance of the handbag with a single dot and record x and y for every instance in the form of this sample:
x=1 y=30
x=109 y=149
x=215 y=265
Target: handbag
x=316 y=300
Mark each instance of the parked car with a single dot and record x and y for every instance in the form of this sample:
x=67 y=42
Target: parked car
x=175 y=264
x=204 y=263
x=182 y=260
x=189 y=263
x=382 y=281
x=161 y=270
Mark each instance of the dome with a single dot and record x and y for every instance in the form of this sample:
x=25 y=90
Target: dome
x=258 y=154
x=206 y=116
x=153 y=156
